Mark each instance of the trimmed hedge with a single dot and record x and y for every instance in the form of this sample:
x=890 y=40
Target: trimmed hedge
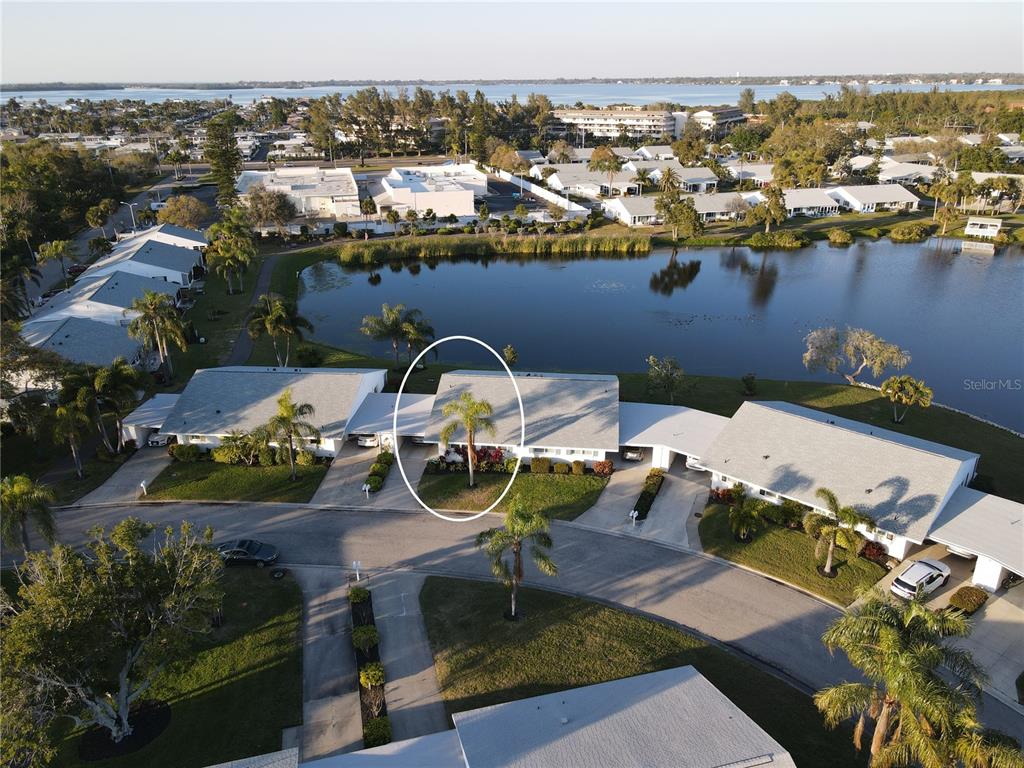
x=579 y=467
x=364 y=638
x=540 y=466
x=603 y=468
x=375 y=482
x=358 y=595
x=377 y=732
x=652 y=484
x=968 y=599
x=185 y=453
x=561 y=468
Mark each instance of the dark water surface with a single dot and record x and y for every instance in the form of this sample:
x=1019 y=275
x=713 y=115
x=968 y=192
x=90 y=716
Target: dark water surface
x=719 y=311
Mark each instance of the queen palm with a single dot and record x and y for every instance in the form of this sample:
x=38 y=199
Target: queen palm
x=669 y=181
x=157 y=324
x=417 y=330
x=231 y=248
x=472 y=416
x=841 y=530
x=276 y=317
x=522 y=528
x=642 y=178
x=96 y=217
x=116 y=387
x=289 y=424
x=747 y=516
x=69 y=422
x=389 y=325
x=23 y=501
x=912 y=709
x=57 y=250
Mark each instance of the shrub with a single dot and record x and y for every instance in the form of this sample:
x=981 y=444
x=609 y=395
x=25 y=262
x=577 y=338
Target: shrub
x=813 y=523
x=309 y=356
x=749 y=383
x=281 y=455
x=654 y=480
x=784 y=240
x=908 y=233
x=443 y=231
x=510 y=465
x=579 y=467
x=266 y=456
x=789 y=513
x=540 y=466
x=603 y=468
x=185 y=453
x=372 y=674
x=837 y=236
x=386 y=457
x=364 y=638
x=874 y=552
x=375 y=482
x=376 y=732
x=968 y=599
x=561 y=468
x=379 y=470
x=225 y=454
x=305 y=458
x=358 y=595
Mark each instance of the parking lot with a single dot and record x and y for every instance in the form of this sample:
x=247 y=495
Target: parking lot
x=505 y=196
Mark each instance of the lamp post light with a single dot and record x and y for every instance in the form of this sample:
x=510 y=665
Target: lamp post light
x=131 y=210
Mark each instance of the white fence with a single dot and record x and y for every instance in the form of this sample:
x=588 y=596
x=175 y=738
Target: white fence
x=575 y=210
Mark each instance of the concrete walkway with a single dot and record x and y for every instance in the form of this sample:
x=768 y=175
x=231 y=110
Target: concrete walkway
x=394 y=494
x=997 y=642
x=243 y=345
x=414 y=699
x=331 y=722
x=123 y=485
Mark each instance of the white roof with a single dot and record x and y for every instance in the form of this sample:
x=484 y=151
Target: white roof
x=906 y=171
x=83 y=340
x=634 y=205
x=742 y=171
x=684 y=430
x=985 y=525
x=563 y=410
x=219 y=400
x=375 y=414
x=901 y=481
x=287 y=758
x=879 y=193
x=674 y=718
x=302 y=182
x=715 y=202
x=153 y=412
x=436 y=750
x=808 y=198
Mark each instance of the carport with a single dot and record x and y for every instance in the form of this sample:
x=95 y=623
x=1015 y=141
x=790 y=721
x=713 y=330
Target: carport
x=669 y=430
x=375 y=417
x=990 y=527
x=148 y=418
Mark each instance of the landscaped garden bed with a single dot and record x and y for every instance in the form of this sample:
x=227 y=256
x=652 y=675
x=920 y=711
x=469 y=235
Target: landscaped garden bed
x=379 y=471
x=482 y=659
x=652 y=484
x=373 y=706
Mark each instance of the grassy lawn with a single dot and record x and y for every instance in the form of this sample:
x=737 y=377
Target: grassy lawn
x=566 y=642
x=210 y=481
x=560 y=497
x=789 y=555
x=72 y=488
x=240 y=687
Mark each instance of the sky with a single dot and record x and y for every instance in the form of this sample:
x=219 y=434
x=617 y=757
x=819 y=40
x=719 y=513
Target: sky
x=142 y=41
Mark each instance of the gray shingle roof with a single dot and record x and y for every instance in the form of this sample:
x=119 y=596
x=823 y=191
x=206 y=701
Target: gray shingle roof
x=121 y=288
x=563 y=410
x=673 y=718
x=901 y=481
x=183 y=232
x=219 y=400
x=167 y=256
x=88 y=342
x=984 y=524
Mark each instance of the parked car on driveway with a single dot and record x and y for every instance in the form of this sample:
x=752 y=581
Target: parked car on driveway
x=368 y=441
x=920 y=577
x=629 y=453
x=247 y=552
x=158 y=440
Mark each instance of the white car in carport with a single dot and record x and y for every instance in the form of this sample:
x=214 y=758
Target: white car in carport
x=920 y=577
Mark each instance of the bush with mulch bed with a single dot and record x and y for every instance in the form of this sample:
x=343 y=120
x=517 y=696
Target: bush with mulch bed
x=373 y=707
x=652 y=484
x=148 y=720
x=968 y=599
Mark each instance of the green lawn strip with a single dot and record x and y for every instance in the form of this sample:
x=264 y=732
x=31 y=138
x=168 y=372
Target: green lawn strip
x=560 y=497
x=97 y=472
x=567 y=642
x=787 y=555
x=211 y=481
x=240 y=687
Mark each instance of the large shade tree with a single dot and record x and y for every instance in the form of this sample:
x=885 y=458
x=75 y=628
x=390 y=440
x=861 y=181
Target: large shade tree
x=830 y=348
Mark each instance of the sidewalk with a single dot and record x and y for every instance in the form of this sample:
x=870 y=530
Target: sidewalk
x=123 y=485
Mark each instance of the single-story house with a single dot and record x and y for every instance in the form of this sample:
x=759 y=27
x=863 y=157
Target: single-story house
x=375 y=415
x=633 y=211
x=153 y=258
x=1014 y=153
x=218 y=401
x=972 y=139
x=84 y=341
x=532 y=156
x=809 y=202
x=606 y=724
x=656 y=152
x=694 y=180
x=148 y=418
x=577 y=179
x=783 y=451
x=906 y=173
x=868 y=198
x=759 y=173
x=569 y=416
x=669 y=431
x=172 y=234
x=722 y=206
x=576 y=155
x=983 y=226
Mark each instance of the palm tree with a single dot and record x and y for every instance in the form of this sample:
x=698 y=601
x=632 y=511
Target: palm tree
x=388 y=326
x=906 y=391
x=276 y=317
x=96 y=217
x=367 y=207
x=916 y=710
x=157 y=324
x=88 y=402
x=231 y=248
x=116 y=387
x=18 y=272
x=669 y=181
x=418 y=331
x=57 y=250
x=522 y=527
x=471 y=415
x=23 y=499
x=604 y=160
x=289 y=424
x=845 y=520
x=746 y=517
x=69 y=421
x=643 y=178
x=393 y=218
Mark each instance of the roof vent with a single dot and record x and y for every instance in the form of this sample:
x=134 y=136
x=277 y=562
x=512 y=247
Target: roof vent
x=766 y=456
x=868 y=490
x=565 y=720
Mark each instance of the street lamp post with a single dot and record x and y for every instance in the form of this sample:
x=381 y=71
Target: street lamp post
x=131 y=210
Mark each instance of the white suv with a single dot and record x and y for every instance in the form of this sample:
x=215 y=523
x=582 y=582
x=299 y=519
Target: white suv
x=920 y=577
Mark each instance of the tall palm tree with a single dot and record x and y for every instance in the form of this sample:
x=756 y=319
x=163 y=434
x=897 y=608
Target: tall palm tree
x=669 y=181
x=57 y=250
x=393 y=217
x=96 y=217
x=389 y=325
x=15 y=275
x=845 y=520
x=417 y=330
x=69 y=421
x=24 y=500
x=116 y=387
x=157 y=325
x=473 y=416
x=88 y=402
x=920 y=691
x=232 y=248
x=643 y=178
x=522 y=527
x=275 y=317
x=906 y=391
x=289 y=424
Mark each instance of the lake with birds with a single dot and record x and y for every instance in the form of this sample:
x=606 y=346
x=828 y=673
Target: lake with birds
x=598 y=94
x=719 y=311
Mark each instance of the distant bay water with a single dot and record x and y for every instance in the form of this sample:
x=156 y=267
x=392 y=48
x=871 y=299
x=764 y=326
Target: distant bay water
x=599 y=94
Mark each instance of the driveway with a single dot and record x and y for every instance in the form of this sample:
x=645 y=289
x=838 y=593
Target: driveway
x=670 y=520
x=394 y=494
x=123 y=485
x=611 y=512
x=346 y=475
x=414 y=699
x=331 y=722
x=996 y=642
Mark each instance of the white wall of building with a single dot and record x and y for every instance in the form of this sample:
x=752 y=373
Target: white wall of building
x=988 y=574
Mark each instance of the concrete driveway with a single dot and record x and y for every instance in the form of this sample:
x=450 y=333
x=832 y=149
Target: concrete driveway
x=670 y=520
x=611 y=512
x=997 y=642
x=123 y=485
x=394 y=494
x=345 y=476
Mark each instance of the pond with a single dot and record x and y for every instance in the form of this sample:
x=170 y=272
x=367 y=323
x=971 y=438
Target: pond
x=719 y=311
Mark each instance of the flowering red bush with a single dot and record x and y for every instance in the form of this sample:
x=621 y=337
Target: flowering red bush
x=722 y=495
x=603 y=468
x=874 y=552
